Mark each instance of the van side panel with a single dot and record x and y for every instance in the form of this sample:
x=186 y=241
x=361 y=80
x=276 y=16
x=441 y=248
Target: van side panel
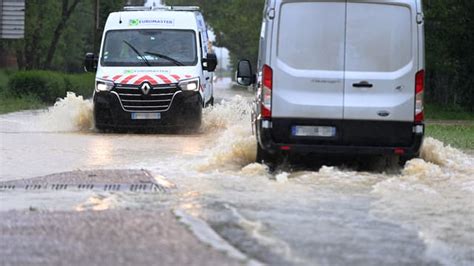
x=382 y=51
x=308 y=59
x=421 y=36
x=206 y=79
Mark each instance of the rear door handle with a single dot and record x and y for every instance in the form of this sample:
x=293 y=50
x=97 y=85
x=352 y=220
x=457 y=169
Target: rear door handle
x=362 y=84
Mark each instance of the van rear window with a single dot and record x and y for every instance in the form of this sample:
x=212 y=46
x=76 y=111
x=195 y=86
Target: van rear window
x=311 y=35
x=379 y=37
x=149 y=47
x=331 y=36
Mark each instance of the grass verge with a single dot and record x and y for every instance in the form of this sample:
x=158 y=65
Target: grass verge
x=439 y=112
x=459 y=136
x=24 y=90
x=10 y=104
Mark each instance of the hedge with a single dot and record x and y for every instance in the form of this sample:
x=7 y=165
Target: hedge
x=49 y=86
x=81 y=84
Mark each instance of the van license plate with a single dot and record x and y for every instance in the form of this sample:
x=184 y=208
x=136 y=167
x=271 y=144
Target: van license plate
x=146 y=116
x=313 y=131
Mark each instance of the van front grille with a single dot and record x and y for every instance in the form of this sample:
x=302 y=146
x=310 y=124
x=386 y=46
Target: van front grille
x=158 y=99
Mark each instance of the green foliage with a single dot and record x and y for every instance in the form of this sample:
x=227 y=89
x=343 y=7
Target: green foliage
x=12 y=104
x=81 y=84
x=47 y=86
x=449 y=54
x=459 y=136
x=4 y=77
x=76 y=38
x=236 y=24
x=449 y=42
x=452 y=112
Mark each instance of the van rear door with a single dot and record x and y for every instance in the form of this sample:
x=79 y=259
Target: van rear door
x=381 y=60
x=308 y=59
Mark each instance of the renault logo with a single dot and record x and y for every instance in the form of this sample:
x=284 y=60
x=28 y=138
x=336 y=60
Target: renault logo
x=146 y=87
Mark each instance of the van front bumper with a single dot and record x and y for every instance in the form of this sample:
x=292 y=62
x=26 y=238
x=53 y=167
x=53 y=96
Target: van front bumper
x=109 y=112
x=352 y=137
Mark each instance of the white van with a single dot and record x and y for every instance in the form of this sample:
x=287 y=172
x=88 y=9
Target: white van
x=154 y=69
x=343 y=77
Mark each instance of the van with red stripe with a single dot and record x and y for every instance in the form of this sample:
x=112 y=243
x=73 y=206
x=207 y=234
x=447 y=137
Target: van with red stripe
x=154 y=69
x=339 y=77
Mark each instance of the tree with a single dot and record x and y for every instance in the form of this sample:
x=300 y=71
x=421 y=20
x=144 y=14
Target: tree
x=66 y=13
x=449 y=42
x=449 y=53
x=59 y=33
x=235 y=23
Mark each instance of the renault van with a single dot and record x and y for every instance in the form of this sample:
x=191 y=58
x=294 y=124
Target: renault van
x=339 y=77
x=154 y=69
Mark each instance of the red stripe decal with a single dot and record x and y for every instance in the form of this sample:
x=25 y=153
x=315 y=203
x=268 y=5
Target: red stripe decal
x=188 y=76
x=105 y=77
x=146 y=78
x=176 y=77
x=127 y=79
x=165 y=79
x=116 y=77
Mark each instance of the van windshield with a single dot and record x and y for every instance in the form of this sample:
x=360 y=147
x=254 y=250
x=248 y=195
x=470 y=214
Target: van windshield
x=149 y=47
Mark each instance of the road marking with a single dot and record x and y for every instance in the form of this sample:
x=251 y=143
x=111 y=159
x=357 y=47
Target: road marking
x=207 y=235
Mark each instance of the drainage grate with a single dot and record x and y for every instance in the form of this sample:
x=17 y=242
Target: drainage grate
x=145 y=187
x=99 y=180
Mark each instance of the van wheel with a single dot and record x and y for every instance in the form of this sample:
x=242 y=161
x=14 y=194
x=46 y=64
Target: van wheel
x=196 y=120
x=385 y=163
x=265 y=157
x=103 y=129
x=102 y=120
x=405 y=159
x=210 y=102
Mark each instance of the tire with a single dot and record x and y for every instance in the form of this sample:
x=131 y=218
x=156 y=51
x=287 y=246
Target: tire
x=405 y=159
x=384 y=163
x=210 y=102
x=100 y=127
x=196 y=119
x=264 y=157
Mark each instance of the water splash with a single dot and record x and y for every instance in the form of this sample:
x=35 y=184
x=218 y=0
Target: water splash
x=70 y=114
x=235 y=146
x=225 y=115
x=255 y=169
x=434 y=195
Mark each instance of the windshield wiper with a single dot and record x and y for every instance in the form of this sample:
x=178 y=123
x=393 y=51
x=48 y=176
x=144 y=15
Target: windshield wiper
x=138 y=53
x=176 y=62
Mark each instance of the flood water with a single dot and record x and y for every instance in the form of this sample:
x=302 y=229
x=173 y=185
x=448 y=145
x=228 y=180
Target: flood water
x=421 y=214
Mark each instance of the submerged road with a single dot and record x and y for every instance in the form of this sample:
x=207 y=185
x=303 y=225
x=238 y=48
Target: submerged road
x=70 y=195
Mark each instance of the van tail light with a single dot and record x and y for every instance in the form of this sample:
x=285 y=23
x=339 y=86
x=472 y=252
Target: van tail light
x=419 y=90
x=399 y=151
x=267 y=86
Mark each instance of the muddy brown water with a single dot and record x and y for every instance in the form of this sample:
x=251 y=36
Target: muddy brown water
x=421 y=214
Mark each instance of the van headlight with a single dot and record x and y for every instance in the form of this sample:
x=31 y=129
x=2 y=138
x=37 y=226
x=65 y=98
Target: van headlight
x=189 y=84
x=103 y=85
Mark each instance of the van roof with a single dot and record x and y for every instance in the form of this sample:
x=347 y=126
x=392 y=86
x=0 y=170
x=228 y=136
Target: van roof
x=152 y=19
x=163 y=8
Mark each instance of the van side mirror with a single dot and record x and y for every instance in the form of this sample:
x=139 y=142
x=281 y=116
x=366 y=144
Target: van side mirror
x=210 y=63
x=245 y=76
x=90 y=63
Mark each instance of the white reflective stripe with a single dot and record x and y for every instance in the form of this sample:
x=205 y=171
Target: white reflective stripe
x=121 y=79
x=132 y=81
x=155 y=76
